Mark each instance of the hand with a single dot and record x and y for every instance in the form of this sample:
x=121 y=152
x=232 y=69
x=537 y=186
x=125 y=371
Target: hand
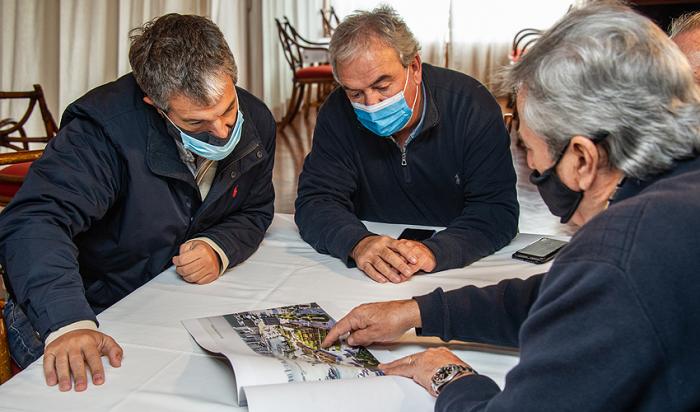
x=422 y=366
x=385 y=259
x=69 y=353
x=197 y=262
x=376 y=322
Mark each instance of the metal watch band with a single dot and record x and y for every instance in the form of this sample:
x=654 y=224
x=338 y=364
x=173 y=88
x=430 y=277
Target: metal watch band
x=447 y=374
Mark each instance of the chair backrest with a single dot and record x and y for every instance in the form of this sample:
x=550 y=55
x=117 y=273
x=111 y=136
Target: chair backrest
x=297 y=50
x=329 y=21
x=522 y=40
x=5 y=368
x=13 y=132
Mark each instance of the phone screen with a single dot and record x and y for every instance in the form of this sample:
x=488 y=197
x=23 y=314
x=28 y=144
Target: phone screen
x=416 y=234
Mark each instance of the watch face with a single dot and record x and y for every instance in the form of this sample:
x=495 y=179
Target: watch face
x=444 y=375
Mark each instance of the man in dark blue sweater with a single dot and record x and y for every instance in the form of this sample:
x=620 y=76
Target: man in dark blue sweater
x=611 y=123
x=404 y=142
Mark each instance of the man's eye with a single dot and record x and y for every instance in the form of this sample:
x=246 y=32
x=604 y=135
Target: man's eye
x=194 y=123
x=355 y=95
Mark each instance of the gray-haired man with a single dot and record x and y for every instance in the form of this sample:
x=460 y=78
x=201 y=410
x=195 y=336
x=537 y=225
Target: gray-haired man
x=685 y=31
x=611 y=123
x=404 y=142
x=170 y=164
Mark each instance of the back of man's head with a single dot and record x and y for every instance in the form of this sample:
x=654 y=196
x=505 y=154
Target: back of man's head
x=605 y=69
x=181 y=55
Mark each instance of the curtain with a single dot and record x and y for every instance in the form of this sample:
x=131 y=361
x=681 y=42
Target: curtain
x=72 y=46
x=468 y=36
x=481 y=37
x=428 y=24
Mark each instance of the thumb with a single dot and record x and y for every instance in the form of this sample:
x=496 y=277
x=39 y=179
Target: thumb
x=186 y=247
x=113 y=351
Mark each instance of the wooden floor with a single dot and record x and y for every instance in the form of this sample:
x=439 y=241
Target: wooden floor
x=294 y=143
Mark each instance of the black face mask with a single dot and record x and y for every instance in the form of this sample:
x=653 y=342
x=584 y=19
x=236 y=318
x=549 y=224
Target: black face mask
x=205 y=137
x=560 y=200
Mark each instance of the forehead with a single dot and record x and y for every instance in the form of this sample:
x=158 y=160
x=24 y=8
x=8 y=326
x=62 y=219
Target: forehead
x=367 y=65
x=187 y=107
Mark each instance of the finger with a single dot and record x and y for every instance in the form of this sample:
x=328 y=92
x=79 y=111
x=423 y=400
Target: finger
x=113 y=351
x=186 y=259
x=402 y=367
x=50 y=369
x=196 y=276
x=373 y=273
x=362 y=337
x=341 y=327
x=77 y=367
x=190 y=268
x=208 y=278
x=396 y=260
x=186 y=247
x=386 y=270
x=406 y=250
x=94 y=361
x=63 y=371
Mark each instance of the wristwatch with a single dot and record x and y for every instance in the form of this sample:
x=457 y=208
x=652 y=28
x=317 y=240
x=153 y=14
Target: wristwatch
x=447 y=374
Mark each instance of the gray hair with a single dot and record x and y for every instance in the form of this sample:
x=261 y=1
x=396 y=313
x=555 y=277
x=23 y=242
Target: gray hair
x=360 y=29
x=604 y=69
x=685 y=23
x=181 y=55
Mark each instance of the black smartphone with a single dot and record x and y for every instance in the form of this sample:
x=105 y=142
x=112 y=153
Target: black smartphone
x=416 y=234
x=540 y=251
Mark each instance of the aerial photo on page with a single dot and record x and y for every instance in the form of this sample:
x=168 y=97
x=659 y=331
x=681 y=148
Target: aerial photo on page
x=293 y=334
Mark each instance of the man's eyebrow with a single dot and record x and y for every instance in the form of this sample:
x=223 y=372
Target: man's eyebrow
x=380 y=79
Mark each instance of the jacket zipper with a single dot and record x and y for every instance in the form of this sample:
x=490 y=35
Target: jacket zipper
x=404 y=161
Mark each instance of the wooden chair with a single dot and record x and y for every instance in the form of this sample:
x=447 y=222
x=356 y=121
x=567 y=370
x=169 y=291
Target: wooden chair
x=522 y=41
x=329 y=21
x=13 y=136
x=5 y=362
x=308 y=62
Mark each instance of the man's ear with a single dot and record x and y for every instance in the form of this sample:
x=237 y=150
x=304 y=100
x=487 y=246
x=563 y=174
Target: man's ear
x=417 y=69
x=584 y=166
x=148 y=100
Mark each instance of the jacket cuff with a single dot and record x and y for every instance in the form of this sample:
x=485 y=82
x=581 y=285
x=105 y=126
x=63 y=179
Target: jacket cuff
x=62 y=312
x=465 y=393
x=223 y=259
x=81 y=324
x=433 y=313
x=452 y=252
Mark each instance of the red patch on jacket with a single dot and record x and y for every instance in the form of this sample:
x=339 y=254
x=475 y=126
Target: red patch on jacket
x=234 y=193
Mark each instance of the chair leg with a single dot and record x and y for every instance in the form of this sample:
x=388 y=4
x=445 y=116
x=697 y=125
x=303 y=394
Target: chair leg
x=294 y=104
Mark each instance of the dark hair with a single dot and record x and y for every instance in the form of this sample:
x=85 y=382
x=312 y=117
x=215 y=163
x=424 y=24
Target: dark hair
x=181 y=55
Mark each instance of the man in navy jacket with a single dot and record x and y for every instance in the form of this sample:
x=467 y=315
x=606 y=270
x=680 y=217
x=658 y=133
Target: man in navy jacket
x=404 y=142
x=611 y=123
x=169 y=165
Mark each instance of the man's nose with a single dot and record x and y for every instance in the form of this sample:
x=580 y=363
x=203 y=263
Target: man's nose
x=373 y=98
x=220 y=129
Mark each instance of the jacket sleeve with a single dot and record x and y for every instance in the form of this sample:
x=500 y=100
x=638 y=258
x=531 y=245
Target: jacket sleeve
x=239 y=234
x=489 y=218
x=325 y=211
x=587 y=345
x=492 y=315
x=72 y=185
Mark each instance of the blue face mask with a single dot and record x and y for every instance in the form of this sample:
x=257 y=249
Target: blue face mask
x=197 y=143
x=388 y=116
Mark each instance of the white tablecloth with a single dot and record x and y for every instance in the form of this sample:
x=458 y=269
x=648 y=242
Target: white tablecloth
x=164 y=369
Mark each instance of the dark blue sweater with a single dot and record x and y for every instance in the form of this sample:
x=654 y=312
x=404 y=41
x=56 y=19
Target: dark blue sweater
x=613 y=326
x=458 y=173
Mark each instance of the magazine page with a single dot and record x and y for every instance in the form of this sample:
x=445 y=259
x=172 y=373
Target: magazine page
x=280 y=345
x=381 y=394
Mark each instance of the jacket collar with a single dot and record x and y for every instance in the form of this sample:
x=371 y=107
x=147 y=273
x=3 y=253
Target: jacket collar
x=632 y=187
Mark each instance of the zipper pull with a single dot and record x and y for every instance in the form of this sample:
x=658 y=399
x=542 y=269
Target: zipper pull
x=403 y=157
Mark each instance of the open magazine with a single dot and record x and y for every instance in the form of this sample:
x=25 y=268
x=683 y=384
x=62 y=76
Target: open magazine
x=280 y=345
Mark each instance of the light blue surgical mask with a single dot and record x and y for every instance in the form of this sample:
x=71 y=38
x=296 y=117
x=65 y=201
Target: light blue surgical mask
x=388 y=116
x=198 y=145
